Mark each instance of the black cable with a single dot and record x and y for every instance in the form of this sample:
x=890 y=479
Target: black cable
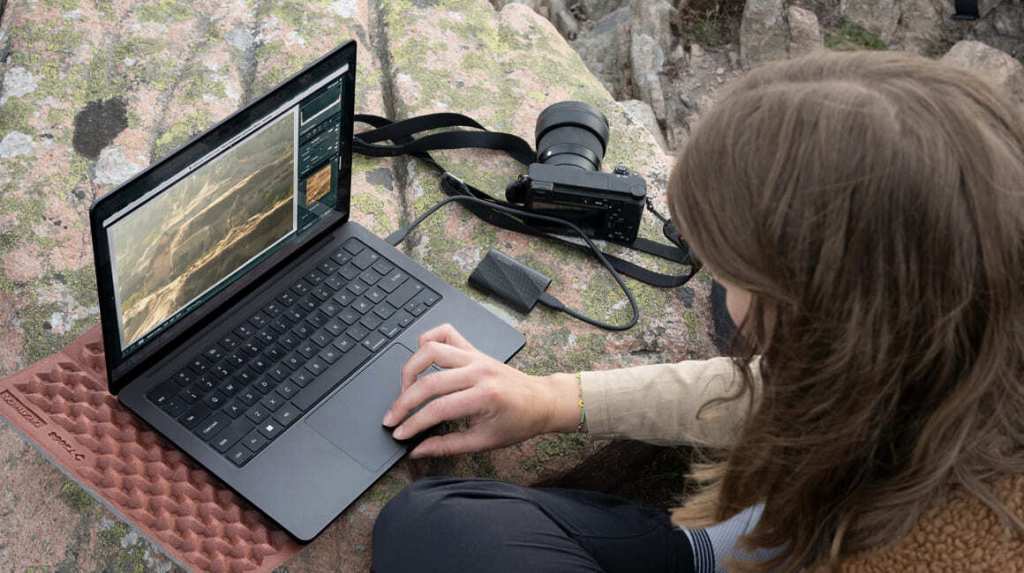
x=400 y=235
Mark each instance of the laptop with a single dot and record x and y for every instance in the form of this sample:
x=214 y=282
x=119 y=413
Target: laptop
x=251 y=321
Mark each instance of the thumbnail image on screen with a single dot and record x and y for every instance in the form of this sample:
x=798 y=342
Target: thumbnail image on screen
x=204 y=228
x=318 y=185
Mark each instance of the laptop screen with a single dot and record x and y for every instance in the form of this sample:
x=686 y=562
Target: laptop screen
x=188 y=239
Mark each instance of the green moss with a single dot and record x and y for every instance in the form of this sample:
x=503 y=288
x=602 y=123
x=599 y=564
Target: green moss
x=711 y=22
x=39 y=40
x=181 y=132
x=82 y=285
x=77 y=498
x=386 y=488
x=155 y=66
x=29 y=210
x=7 y=241
x=483 y=466
x=276 y=64
x=62 y=5
x=368 y=81
x=549 y=351
x=555 y=447
x=14 y=116
x=202 y=83
x=850 y=36
x=40 y=340
x=164 y=11
x=299 y=16
x=105 y=7
x=384 y=219
x=117 y=555
x=692 y=321
x=103 y=80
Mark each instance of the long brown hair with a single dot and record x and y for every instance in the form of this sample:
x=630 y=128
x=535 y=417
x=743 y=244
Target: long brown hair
x=873 y=204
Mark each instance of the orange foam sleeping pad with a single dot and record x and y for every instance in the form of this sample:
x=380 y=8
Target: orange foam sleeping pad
x=62 y=404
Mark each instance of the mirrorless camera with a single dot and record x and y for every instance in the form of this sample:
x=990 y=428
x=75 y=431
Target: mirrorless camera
x=567 y=181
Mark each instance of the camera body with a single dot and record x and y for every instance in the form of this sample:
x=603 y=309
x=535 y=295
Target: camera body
x=567 y=182
x=605 y=206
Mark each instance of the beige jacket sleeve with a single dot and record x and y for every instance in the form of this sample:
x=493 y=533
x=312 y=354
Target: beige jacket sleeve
x=659 y=403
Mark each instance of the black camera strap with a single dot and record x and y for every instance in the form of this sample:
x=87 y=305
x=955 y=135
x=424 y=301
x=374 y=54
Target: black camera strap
x=400 y=134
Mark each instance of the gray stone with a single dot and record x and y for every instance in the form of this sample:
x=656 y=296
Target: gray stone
x=647 y=60
x=986 y=6
x=879 y=17
x=597 y=9
x=17 y=82
x=344 y=8
x=538 y=6
x=763 y=32
x=113 y=168
x=640 y=113
x=1008 y=20
x=920 y=27
x=678 y=56
x=654 y=18
x=734 y=59
x=240 y=38
x=14 y=144
x=563 y=19
x=605 y=50
x=678 y=136
x=696 y=55
x=995 y=65
x=804 y=32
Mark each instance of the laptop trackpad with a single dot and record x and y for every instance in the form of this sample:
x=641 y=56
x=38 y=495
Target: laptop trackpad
x=351 y=418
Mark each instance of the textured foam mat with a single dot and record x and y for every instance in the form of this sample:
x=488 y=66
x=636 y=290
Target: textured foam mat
x=62 y=404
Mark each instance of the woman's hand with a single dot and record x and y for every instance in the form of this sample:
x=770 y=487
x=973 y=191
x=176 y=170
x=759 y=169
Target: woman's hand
x=504 y=406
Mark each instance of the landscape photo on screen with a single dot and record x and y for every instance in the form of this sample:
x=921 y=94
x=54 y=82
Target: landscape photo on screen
x=188 y=238
x=318 y=185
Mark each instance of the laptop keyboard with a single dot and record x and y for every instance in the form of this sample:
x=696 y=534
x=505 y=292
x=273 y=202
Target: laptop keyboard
x=268 y=369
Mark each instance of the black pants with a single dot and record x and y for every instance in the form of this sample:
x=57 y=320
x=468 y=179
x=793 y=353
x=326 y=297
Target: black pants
x=473 y=525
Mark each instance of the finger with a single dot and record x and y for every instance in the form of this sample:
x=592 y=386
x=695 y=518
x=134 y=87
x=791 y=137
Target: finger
x=433 y=352
x=447 y=334
x=427 y=387
x=451 y=444
x=461 y=404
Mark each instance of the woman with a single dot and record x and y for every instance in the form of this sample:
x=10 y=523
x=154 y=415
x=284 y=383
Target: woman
x=865 y=213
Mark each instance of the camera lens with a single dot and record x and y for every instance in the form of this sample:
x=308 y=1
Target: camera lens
x=572 y=133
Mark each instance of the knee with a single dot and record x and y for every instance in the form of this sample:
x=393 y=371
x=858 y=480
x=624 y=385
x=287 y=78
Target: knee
x=414 y=528
x=410 y=503
x=414 y=509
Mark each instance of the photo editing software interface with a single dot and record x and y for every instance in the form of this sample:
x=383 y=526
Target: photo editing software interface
x=184 y=242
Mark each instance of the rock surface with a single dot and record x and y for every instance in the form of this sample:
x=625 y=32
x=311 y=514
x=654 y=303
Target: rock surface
x=640 y=113
x=606 y=50
x=879 y=17
x=174 y=69
x=804 y=32
x=764 y=35
x=707 y=40
x=176 y=76
x=995 y=65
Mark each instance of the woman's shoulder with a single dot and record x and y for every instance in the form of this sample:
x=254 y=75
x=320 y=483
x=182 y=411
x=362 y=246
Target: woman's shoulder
x=959 y=533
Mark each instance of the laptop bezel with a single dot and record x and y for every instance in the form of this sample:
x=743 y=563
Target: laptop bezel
x=121 y=368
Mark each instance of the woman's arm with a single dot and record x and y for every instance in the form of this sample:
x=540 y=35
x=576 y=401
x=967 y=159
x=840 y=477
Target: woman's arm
x=657 y=403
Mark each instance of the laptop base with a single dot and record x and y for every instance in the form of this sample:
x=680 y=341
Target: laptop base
x=303 y=480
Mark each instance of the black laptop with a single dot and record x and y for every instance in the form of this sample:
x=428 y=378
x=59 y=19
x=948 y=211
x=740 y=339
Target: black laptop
x=254 y=324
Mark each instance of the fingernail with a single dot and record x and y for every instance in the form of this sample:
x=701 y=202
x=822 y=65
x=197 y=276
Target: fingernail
x=387 y=421
x=399 y=434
